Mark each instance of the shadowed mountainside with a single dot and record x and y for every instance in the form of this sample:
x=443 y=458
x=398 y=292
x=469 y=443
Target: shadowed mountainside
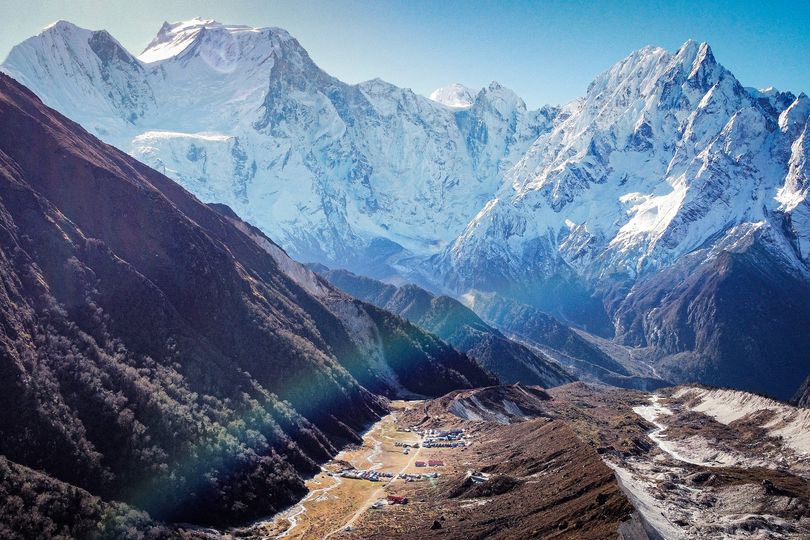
x=579 y=355
x=152 y=352
x=802 y=396
x=458 y=325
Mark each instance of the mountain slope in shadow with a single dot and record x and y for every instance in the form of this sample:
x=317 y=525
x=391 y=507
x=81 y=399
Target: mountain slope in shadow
x=154 y=353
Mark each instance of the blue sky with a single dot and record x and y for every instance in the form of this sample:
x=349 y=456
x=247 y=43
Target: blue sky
x=547 y=52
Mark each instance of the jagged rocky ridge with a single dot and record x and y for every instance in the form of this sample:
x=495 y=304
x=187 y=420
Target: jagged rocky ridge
x=154 y=351
x=669 y=202
x=453 y=322
x=668 y=166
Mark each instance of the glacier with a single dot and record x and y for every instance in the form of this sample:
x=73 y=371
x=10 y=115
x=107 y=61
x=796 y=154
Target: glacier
x=336 y=173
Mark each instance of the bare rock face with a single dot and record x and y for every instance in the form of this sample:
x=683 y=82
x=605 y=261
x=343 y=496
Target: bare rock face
x=802 y=396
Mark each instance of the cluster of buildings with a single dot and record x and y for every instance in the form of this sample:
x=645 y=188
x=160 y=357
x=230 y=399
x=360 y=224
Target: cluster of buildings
x=443 y=444
x=373 y=476
x=406 y=445
x=451 y=438
x=430 y=463
x=408 y=477
x=412 y=429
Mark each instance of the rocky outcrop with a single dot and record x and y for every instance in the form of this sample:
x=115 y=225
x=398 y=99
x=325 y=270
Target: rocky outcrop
x=802 y=396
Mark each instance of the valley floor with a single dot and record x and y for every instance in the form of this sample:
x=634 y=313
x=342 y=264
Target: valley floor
x=725 y=464
x=335 y=503
x=535 y=478
x=578 y=461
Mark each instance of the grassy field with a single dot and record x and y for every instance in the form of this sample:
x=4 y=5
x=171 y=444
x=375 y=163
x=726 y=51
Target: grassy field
x=334 y=503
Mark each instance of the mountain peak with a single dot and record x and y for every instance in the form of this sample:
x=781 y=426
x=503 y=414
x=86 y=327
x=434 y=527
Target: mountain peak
x=60 y=31
x=795 y=117
x=455 y=96
x=689 y=48
x=175 y=38
x=70 y=33
x=60 y=26
x=704 y=60
x=497 y=88
x=504 y=99
x=697 y=59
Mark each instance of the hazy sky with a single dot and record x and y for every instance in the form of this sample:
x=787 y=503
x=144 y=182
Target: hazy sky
x=547 y=52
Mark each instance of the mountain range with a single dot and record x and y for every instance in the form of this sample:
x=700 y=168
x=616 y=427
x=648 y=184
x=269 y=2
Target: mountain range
x=665 y=210
x=343 y=171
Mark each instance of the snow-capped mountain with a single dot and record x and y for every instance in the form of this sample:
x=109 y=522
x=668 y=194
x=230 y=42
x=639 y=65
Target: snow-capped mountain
x=668 y=206
x=336 y=173
x=662 y=208
x=91 y=77
x=455 y=96
x=665 y=152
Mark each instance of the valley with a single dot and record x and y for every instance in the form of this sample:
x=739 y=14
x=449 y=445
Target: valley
x=341 y=507
x=665 y=209
x=333 y=502
x=122 y=380
x=598 y=462
x=241 y=298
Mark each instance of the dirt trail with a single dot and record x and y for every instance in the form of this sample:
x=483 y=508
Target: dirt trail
x=378 y=493
x=293 y=513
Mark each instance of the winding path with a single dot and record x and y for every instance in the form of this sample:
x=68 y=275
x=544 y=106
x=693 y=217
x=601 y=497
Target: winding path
x=299 y=508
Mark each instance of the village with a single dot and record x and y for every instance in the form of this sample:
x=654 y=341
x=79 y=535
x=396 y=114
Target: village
x=371 y=477
x=375 y=476
x=434 y=438
x=431 y=438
